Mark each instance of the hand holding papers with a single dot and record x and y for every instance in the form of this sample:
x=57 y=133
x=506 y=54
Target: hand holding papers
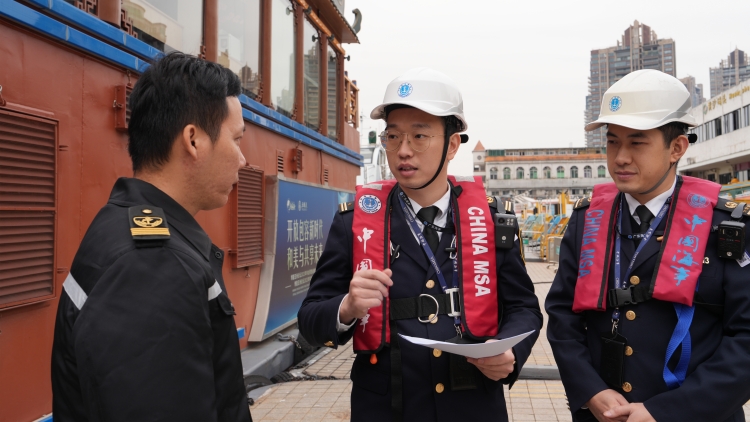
x=476 y=351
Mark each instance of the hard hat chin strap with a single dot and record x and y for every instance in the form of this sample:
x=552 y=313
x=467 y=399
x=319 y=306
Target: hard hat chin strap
x=442 y=163
x=660 y=180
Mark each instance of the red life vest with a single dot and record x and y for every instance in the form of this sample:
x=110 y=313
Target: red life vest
x=688 y=226
x=475 y=244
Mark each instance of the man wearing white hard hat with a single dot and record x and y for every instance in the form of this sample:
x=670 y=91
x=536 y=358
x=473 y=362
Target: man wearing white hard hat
x=426 y=255
x=649 y=314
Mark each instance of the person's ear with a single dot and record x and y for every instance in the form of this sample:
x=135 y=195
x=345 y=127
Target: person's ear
x=186 y=141
x=453 y=143
x=678 y=148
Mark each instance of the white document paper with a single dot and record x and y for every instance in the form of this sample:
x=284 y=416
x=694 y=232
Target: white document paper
x=476 y=351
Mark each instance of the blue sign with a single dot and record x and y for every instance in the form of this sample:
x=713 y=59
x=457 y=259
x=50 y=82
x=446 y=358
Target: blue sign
x=304 y=218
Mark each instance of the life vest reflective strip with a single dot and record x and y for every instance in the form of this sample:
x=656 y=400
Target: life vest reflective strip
x=475 y=233
x=681 y=257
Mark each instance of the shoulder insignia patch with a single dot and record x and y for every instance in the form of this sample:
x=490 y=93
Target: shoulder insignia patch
x=148 y=223
x=726 y=205
x=346 y=206
x=490 y=199
x=509 y=207
x=583 y=202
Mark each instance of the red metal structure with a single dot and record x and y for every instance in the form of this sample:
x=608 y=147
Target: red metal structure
x=66 y=70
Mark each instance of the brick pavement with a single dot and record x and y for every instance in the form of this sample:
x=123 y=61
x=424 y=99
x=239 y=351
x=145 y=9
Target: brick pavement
x=328 y=400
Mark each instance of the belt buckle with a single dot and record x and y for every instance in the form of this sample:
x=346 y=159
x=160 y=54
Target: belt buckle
x=419 y=309
x=455 y=310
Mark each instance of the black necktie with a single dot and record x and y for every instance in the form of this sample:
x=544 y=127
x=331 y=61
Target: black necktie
x=431 y=236
x=645 y=215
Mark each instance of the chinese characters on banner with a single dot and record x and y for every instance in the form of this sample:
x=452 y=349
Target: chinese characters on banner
x=304 y=254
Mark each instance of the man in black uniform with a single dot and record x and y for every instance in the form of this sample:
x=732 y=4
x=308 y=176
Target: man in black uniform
x=145 y=329
x=649 y=314
x=416 y=290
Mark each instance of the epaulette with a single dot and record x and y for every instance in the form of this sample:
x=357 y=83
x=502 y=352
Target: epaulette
x=729 y=206
x=582 y=202
x=505 y=206
x=346 y=206
x=148 y=225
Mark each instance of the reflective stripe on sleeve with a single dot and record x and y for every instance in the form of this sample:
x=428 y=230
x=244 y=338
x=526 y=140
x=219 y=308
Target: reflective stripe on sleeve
x=74 y=291
x=214 y=291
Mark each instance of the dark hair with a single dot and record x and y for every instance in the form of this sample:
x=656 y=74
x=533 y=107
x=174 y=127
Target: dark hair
x=175 y=91
x=671 y=131
x=450 y=123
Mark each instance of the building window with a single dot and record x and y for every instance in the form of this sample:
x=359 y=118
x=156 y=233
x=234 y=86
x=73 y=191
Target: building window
x=547 y=172
x=332 y=88
x=587 y=172
x=239 y=42
x=506 y=173
x=519 y=173
x=168 y=25
x=311 y=64
x=493 y=173
x=717 y=126
x=532 y=173
x=282 y=56
x=601 y=171
x=746 y=116
x=574 y=172
x=560 y=172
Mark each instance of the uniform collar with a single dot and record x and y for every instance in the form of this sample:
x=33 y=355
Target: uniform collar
x=130 y=192
x=654 y=205
x=443 y=204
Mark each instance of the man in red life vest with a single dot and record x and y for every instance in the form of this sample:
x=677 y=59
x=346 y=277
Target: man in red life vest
x=649 y=314
x=418 y=256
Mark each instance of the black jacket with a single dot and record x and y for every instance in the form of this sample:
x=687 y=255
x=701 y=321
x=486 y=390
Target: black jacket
x=421 y=370
x=152 y=341
x=717 y=384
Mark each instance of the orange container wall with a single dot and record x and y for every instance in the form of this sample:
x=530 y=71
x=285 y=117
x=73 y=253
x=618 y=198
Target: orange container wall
x=45 y=78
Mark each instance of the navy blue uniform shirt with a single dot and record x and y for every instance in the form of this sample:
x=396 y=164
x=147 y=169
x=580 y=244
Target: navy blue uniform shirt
x=718 y=377
x=421 y=369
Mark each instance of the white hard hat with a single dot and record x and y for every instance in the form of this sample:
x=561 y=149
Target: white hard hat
x=427 y=90
x=645 y=99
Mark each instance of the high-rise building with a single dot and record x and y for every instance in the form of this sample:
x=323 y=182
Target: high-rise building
x=639 y=48
x=695 y=90
x=730 y=72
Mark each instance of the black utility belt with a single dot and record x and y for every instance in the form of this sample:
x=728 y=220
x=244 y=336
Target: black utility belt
x=426 y=307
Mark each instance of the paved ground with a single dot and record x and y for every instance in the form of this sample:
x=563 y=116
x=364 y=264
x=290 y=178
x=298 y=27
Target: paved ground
x=328 y=399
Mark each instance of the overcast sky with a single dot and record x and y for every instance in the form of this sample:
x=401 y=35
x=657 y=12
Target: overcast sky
x=522 y=66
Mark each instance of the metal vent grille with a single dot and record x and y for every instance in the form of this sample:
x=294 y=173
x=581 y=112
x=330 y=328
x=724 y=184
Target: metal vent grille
x=27 y=208
x=280 y=162
x=122 y=107
x=325 y=175
x=250 y=194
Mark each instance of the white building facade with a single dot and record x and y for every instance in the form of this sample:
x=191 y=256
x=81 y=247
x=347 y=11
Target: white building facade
x=541 y=173
x=722 y=152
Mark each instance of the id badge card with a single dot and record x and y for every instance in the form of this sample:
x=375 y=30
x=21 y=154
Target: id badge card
x=613 y=359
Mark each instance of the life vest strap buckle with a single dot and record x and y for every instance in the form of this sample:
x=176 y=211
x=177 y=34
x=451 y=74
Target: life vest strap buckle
x=621 y=297
x=419 y=309
x=455 y=302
